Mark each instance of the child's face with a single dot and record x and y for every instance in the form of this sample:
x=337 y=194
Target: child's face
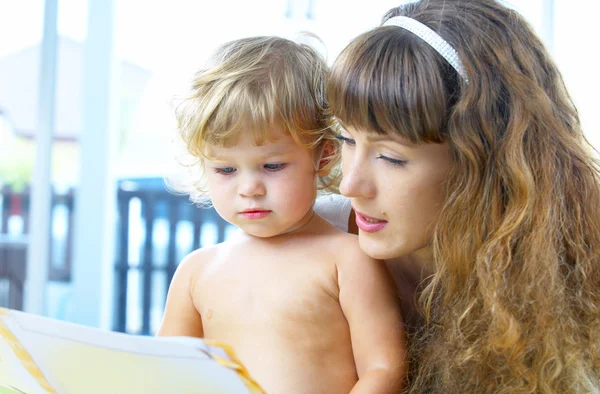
x=265 y=190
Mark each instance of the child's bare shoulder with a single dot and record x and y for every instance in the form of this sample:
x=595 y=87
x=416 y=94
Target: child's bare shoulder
x=196 y=262
x=343 y=246
x=349 y=257
x=350 y=251
x=333 y=238
x=357 y=270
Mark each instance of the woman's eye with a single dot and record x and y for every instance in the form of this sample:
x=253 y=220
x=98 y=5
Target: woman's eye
x=346 y=140
x=394 y=162
x=225 y=170
x=274 y=166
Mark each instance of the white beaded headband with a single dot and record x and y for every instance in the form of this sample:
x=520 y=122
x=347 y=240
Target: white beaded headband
x=430 y=37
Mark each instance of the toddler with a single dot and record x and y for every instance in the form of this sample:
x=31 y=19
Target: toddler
x=305 y=310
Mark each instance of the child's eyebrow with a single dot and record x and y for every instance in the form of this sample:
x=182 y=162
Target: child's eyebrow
x=227 y=157
x=278 y=153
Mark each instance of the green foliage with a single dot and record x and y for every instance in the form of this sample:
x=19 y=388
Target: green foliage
x=16 y=164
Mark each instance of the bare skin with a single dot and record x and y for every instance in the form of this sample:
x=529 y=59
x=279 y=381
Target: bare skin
x=306 y=312
x=408 y=274
x=401 y=183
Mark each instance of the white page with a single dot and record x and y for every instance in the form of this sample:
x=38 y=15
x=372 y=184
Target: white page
x=81 y=360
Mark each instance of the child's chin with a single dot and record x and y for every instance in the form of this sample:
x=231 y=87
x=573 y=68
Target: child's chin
x=261 y=233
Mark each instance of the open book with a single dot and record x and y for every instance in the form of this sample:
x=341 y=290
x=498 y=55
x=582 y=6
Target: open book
x=39 y=355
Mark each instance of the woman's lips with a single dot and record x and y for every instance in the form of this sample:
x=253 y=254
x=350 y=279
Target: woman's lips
x=369 y=224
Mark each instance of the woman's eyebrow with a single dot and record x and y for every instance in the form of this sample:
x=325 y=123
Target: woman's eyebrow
x=372 y=137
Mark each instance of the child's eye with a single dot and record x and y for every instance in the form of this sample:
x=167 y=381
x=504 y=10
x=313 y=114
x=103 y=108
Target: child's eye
x=346 y=140
x=394 y=162
x=225 y=170
x=275 y=166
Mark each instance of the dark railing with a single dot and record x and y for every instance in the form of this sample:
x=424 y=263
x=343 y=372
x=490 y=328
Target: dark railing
x=156 y=204
x=14 y=240
x=12 y=273
x=142 y=253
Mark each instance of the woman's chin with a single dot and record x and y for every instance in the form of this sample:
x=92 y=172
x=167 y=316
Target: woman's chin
x=376 y=249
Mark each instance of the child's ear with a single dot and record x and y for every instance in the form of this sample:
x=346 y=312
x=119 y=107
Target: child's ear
x=327 y=153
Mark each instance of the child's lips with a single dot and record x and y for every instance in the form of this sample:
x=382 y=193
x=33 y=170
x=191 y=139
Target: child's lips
x=255 y=213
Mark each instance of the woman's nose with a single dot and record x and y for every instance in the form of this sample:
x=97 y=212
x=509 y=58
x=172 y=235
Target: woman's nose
x=357 y=180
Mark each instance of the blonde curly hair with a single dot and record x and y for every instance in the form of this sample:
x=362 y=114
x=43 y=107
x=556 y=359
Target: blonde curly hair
x=250 y=85
x=514 y=303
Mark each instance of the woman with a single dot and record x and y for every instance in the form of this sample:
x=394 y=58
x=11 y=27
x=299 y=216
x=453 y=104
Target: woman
x=468 y=170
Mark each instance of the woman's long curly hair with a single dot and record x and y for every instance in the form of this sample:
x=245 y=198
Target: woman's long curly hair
x=514 y=303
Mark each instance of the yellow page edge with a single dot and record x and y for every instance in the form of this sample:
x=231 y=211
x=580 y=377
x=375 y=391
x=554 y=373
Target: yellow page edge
x=24 y=355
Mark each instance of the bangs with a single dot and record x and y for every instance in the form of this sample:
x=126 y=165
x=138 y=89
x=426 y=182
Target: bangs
x=242 y=109
x=388 y=81
x=225 y=108
x=229 y=102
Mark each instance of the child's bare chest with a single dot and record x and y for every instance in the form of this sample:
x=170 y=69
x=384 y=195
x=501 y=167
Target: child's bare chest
x=279 y=309
x=255 y=290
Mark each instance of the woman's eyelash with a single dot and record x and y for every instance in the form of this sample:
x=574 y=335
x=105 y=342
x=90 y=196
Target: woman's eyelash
x=394 y=162
x=346 y=140
x=351 y=142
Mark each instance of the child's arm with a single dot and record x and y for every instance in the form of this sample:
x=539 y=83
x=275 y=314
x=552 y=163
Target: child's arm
x=181 y=318
x=369 y=301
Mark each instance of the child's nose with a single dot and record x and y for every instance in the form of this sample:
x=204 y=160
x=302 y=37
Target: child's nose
x=252 y=186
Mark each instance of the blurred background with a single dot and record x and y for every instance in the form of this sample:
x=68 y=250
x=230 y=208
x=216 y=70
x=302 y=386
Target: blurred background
x=88 y=233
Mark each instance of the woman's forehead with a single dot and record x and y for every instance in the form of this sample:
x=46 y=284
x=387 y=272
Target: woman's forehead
x=373 y=137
